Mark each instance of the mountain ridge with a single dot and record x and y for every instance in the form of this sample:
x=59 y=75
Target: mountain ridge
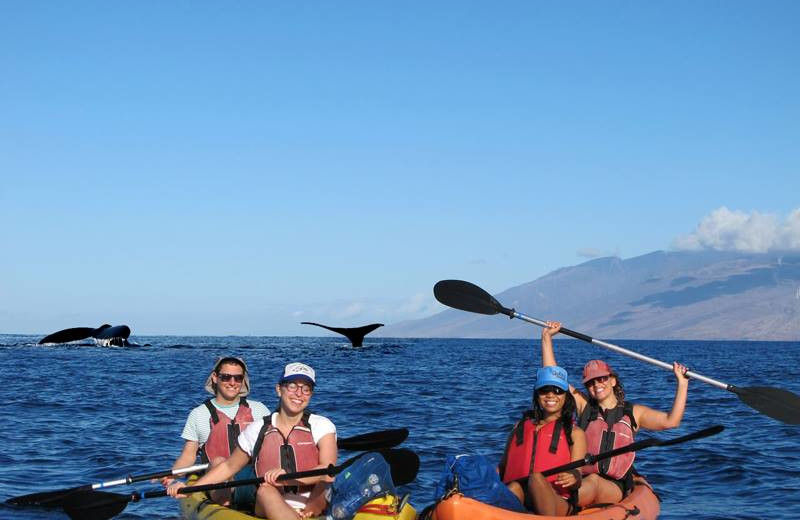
x=705 y=295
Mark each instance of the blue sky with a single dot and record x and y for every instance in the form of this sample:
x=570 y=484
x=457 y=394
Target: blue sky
x=212 y=168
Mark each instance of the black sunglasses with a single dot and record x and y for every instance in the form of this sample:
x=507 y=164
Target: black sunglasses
x=227 y=377
x=550 y=389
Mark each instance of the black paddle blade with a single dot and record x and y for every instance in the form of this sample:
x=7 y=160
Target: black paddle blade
x=466 y=296
x=94 y=505
x=374 y=441
x=45 y=498
x=777 y=403
x=404 y=464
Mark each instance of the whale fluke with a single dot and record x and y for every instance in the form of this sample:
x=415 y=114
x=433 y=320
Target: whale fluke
x=108 y=335
x=354 y=334
x=73 y=334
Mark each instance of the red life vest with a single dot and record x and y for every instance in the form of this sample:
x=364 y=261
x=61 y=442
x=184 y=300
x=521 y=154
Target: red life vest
x=295 y=452
x=608 y=430
x=543 y=449
x=224 y=431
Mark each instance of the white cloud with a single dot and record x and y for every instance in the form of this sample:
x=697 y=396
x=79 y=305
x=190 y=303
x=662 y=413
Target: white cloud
x=726 y=230
x=417 y=304
x=352 y=310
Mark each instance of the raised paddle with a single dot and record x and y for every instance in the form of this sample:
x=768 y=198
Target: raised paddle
x=99 y=505
x=367 y=441
x=639 y=445
x=777 y=403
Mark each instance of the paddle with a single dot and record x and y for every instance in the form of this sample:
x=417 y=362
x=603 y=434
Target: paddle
x=55 y=498
x=640 y=445
x=374 y=441
x=99 y=505
x=367 y=441
x=777 y=403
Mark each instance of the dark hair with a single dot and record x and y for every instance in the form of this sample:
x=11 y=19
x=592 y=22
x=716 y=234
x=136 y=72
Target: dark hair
x=229 y=361
x=568 y=411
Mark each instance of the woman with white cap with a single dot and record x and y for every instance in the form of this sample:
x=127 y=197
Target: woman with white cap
x=545 y=438
x=292 y=439
x=611 y=422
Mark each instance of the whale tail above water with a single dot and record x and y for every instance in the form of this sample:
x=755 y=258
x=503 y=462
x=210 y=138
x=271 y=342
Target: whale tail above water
x=354 y=334
x=105 y=334
x=116 y=336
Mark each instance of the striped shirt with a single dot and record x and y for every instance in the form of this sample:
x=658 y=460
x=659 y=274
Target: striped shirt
x=198 y=424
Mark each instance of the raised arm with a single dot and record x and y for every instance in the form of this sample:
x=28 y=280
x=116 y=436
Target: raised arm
x=548 y=356
x=549 y=359
x=656 y=420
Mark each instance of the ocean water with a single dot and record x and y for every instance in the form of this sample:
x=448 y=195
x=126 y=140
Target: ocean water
x=82 y=414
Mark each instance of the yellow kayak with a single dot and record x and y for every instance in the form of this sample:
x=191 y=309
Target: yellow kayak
x=199 y=507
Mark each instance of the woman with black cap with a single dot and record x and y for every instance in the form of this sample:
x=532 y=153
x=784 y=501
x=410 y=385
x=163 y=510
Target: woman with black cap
x=611 y=422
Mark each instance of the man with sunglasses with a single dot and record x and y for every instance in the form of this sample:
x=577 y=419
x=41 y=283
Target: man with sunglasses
x=291 y=439
x=212 y=427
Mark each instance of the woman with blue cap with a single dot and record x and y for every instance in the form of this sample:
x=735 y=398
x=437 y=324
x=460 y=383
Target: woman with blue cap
x=544 y=438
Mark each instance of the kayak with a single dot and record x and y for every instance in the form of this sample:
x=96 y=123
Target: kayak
x=641 y=504
x=198 y=506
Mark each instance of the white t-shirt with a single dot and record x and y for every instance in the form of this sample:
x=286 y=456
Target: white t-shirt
x=320 y=427
x=198 y=424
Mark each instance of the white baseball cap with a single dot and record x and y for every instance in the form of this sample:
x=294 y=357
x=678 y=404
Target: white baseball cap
x=298 y=371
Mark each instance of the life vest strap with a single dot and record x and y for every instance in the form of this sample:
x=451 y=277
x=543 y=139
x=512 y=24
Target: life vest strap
x=212 y=410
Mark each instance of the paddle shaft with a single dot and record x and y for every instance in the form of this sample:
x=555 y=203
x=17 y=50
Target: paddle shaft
x=56 y=497
x=140 y=478
x=373 y=440
x=616 y=348
x=640 y=445
x=330 y=470
x=364 y=442
x=777 y=403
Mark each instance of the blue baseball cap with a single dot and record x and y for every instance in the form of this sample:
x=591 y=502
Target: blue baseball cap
x=555 y=376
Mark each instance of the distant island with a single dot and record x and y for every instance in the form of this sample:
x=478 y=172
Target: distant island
x=660 y=295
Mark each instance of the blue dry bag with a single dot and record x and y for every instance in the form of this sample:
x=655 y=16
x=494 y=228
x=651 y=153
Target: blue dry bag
x=369 y=477
x=474 y=477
